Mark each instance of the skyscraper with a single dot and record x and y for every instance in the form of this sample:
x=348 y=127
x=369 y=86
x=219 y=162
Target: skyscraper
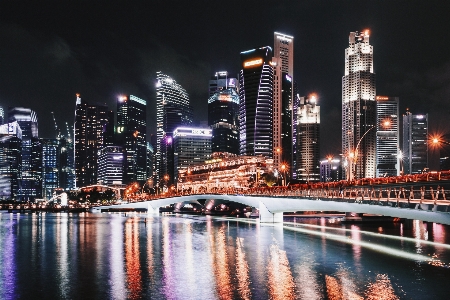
x=415 y=143
x=388 y=148
x=191 y=146
x=221 y=81
x=359 y=108
x=173 y=109
x=283 y=138
x=10 y=160
x=89 y=123
x=2 y=116
x=132 y=125
x=223 y=118
x=110 y=165
x=256 y=102
x=50 y=166
x=308 y=140
x=31 y=180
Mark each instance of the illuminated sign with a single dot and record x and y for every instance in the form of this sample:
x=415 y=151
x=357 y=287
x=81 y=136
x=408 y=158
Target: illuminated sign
x=382 y=98
x=224 y=97
x=255 y=62
x=232 y=82
x=288 y=78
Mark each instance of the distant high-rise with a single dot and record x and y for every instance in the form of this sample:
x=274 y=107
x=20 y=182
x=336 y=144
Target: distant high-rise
x=90 y=121
x=415 y=143
x=220 y=81
x=223 y=119
x=308 y=140
x=31 y=181
x=50 y=166
x=132 y=125
x=10 y=160
x=256 y=102
x=330 y=170
x=191 y=146
x=283 y=97
x=173 y=109
x=359 y=108
x=2 y=116
x=388 y=148
x=110 y=165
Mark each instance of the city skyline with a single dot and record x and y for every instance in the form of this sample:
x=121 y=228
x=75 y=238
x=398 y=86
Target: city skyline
x=76 y=61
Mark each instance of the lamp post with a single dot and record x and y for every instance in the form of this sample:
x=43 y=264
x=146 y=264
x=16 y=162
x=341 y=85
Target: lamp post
x=283 y=170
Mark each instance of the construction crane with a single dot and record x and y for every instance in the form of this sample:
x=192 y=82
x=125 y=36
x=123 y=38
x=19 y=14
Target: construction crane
x=58 y=135
x=69 y=134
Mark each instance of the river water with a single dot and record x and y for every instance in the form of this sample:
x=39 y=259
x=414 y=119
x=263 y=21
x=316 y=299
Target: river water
x=140 y=256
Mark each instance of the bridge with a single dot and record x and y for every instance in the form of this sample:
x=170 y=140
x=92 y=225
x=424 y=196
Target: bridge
x=392 y=201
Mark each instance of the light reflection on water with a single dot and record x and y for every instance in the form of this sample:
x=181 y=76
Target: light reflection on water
x=137 y=256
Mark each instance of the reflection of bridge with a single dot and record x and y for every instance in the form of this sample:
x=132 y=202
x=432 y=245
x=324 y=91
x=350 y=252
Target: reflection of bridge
x=390 y=201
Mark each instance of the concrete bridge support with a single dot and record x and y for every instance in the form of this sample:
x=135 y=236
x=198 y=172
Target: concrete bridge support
x=151 y=210
x=265 y=216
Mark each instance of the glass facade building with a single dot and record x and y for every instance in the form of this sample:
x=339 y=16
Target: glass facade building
x=256 y=102
x=220 y=81
x=359 y=108
x=223 y=119
x=308 y=140
x=388 y=148
x=50 y=166
x=415 y=143
x=132 y=128
x=10 y=160
x=31 y=173
x=173 y=109
x=191 y=146
x=110 y=165
x=90 y=121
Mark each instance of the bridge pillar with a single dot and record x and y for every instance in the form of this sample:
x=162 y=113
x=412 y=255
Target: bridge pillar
x=151 y=210
x=265 y=216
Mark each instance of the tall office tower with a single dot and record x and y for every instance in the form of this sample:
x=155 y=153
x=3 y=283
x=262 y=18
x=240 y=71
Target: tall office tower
x=220 y=81
x=256 y=103
x=132 y=125
x=330 y=170
x=10 y=160
x=415 y=143
x=31 y=181
x=109 y=135
x=66 y=163
x=283 y=101
x=50 y=166
x=89 y=123
x=223 y=119
x=191 y=146
x=2 y=116
x=173 y=109
x=359 y=108
x=150 y=156
x=388 y=148
x=110 y=165
x=308 y=140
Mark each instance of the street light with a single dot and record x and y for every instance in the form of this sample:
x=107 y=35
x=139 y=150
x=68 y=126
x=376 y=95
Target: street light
x=283 y=170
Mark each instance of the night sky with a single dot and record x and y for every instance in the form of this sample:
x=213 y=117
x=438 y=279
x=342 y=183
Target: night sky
x=51 y=50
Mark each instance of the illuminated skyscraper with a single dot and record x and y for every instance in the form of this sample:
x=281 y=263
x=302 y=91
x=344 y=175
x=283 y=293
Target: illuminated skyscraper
x=50 y=166
x=31 y=181
x=359 y=108
x=415 y=143
x=2 y=116
x=223 y=119
x=220 y=81
x=173 y=109
x=10 y=160
x=308 y=140
x=191 y=146
x=132 y=128
x=256 y=102
x=284 y=139
x=388 y=148
x=89 y=123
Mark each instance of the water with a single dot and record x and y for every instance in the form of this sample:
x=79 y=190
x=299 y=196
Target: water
x=134 y=256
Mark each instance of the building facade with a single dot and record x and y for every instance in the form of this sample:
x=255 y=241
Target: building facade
x=359 y=108
x=173 y=109
x=10 y=161
x=221 y=81
x=90 y=121
x=388 y=147
x=50 y=166
x=308 y=140
x=191 y=147
x=223 y=119
x=256 y=103
x=330 y=170
x=132 y=132
x=110 y=165
x=283 y=97
x=31 y=173
x=415 y=143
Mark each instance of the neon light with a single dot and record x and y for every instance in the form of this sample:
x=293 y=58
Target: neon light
x=255 y=62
